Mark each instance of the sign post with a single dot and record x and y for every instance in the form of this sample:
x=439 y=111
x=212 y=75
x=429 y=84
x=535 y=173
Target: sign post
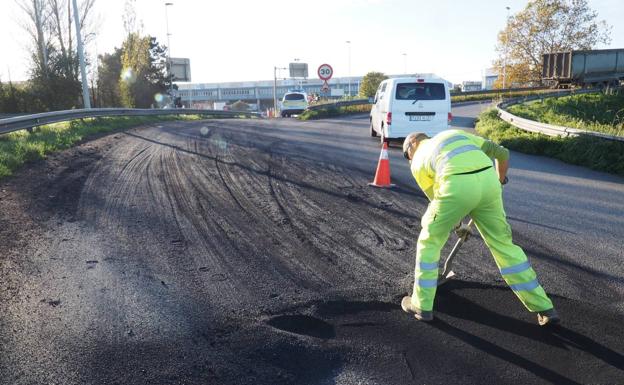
x=325 y=72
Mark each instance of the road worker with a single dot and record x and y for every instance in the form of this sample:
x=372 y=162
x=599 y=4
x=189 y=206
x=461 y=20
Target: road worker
x=455 y=171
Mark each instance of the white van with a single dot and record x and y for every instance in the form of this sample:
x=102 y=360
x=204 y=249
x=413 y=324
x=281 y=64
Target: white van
x=404 y=105
x=294 y=102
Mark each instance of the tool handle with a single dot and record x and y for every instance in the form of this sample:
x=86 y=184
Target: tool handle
x=451 y=257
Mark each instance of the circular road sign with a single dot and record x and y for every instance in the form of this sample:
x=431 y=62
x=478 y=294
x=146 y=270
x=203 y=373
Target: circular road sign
x=325 y=72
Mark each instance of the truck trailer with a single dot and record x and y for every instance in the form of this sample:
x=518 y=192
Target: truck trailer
x=591 y=68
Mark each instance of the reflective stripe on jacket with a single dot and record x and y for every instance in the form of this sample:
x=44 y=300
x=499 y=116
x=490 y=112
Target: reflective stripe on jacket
x=452 y=152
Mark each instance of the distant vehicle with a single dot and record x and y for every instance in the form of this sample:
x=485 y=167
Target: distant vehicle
x=219 y=106
x=602 y=67
x=471 y=86
x=404 y=105
x=293 y=103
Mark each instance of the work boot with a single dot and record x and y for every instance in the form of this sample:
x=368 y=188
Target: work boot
x=421 y=315
x=548 y=317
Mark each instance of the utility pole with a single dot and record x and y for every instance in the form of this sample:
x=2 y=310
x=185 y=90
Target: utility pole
x=83 y=71
x=404 y=63
x=40 y=35
x=349 y=66
x=506 y=51
x=274 y=90
x=275 y=68
x=169 y=73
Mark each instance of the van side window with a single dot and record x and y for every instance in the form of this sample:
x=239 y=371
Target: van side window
x=382 y=91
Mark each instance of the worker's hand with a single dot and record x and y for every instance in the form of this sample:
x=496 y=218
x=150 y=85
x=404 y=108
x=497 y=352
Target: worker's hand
x=462 y=230
x=504 y=180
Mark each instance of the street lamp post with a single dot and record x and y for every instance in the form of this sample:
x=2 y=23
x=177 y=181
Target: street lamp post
x=405 y=63
x=169 y=74
x=349 y=66
x=506 y=52
x=275 y=68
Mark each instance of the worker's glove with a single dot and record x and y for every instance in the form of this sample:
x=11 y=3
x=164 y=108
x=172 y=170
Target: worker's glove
x=505 y=180
x=462 y=230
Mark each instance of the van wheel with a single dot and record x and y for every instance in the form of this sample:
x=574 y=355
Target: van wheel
x=373 y=133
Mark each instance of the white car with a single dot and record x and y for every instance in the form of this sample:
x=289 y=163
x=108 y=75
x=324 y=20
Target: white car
x=293 y=103
x=404 y=105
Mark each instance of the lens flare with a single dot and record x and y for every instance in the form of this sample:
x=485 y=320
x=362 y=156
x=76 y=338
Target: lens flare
x=219 y=142
x=204 y=131
x=159 y=98
x=128 y=76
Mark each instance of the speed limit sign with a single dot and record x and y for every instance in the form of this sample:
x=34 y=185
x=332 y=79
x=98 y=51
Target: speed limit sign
x=325 y=72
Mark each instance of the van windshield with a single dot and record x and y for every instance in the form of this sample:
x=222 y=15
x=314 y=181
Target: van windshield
x=294 y=97
x=420 y=91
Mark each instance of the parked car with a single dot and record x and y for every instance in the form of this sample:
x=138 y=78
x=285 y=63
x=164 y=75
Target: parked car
x=294 y=102
x=404 y=105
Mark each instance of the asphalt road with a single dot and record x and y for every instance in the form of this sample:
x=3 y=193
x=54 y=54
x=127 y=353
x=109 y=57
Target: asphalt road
x=253 y=252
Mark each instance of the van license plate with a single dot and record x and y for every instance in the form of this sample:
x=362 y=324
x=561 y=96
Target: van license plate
x=420 y=118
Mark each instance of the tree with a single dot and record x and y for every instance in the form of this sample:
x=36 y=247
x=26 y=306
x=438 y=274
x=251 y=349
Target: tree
x=370 y=83
x=239 y=106
x=54 y=67
x=109 y=73
x=50 y=88
x=143 y=77
x=545 y=26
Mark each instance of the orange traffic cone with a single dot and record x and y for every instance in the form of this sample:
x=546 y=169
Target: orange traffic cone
x=382 y=176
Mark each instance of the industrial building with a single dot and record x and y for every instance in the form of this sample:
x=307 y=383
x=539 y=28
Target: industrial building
x=259 y=94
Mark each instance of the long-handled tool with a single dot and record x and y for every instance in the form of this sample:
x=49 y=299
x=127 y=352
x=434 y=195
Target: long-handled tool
x=464 y=233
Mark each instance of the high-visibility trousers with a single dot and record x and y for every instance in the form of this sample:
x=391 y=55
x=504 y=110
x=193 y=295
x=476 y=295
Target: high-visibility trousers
x=478 y=195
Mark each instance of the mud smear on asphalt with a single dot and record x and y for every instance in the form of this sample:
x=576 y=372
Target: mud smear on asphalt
x=248 y=252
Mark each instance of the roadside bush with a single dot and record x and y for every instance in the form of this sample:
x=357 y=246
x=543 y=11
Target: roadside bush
x=596 y=153
x=332 y=111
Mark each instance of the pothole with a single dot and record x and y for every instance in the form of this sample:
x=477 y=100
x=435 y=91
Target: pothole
x=303 y=324
x=342 y=308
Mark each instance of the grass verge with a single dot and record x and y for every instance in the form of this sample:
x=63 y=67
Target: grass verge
x=22 y=146
x=595 y=153
x=594 y=112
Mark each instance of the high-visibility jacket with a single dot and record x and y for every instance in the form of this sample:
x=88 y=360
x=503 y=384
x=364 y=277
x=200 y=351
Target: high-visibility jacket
x=452 y=152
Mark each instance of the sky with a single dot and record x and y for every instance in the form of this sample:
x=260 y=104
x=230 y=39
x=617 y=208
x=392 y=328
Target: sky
x=243 y=40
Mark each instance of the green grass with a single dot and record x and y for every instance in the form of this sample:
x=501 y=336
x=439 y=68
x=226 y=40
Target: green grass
x=596 y=153
x=22 y=146
x=334 y=111
x=593 y=112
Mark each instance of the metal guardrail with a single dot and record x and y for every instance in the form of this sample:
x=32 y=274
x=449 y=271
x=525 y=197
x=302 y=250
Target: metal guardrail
x=545 y=128
x=35 y=120
x=498 y=91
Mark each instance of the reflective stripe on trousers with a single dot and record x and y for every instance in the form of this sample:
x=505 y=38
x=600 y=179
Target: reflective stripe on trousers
x=477 y=195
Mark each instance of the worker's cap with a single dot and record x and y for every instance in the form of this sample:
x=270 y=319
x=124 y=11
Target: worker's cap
x=412 y=140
